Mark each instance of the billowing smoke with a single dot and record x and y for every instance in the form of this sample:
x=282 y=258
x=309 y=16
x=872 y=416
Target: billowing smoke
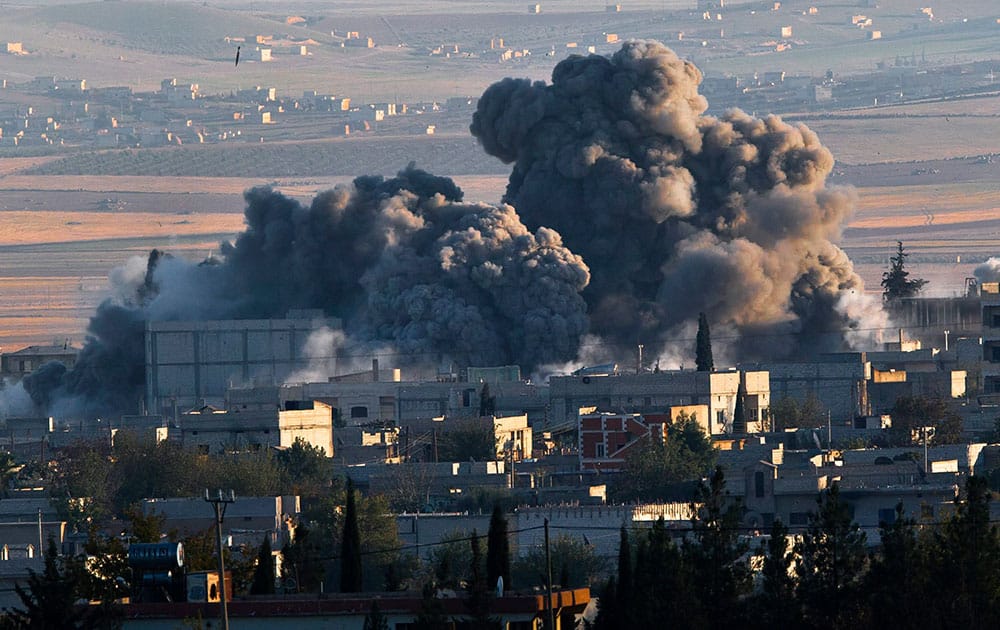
x=401 y=261
x=989 y=271
x=676 y=212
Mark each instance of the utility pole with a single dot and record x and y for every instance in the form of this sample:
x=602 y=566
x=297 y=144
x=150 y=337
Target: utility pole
x=548 y=574
x=220 y=503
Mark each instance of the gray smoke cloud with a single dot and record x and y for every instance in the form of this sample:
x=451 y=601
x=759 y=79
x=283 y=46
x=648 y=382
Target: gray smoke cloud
x=988 y=271
x=676 y=212
x=402 y=261
x=635 y=212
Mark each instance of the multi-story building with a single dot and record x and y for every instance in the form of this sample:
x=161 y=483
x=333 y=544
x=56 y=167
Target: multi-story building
x=26 y=360
x=192 y=363
x=657 y=392
x=990 y=300
x=246 y=427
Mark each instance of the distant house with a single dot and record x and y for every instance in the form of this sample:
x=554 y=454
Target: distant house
x=25 y=361
x=252 y=427
x=265 y=54
x=15 y=48
x=247 y=519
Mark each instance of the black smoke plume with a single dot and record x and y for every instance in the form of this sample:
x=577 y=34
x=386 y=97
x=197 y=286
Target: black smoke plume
x=402 y=261
x=676 y=212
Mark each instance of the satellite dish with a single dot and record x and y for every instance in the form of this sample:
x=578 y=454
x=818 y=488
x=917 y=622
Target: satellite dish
x=500 y=586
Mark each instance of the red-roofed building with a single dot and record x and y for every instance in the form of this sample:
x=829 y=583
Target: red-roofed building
x=606 y=439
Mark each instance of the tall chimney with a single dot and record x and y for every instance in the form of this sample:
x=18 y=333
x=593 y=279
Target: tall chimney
x=375 y=370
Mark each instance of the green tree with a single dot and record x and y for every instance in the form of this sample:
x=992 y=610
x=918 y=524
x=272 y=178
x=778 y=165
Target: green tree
x=301 y=560
x=661 y=594
x=775 y=605
x=655 y=470
x=740 y=411
x=451 y=560
x=911 y=413
x=716 y=554
x=965 y=566
x=432 y=615
x=498 y=549
x=468 y=440
x=898 y=577
x=624 y=561
x=609 y=615
x=375 y=620
x=487 y=402
x=305 y=468
x=478 y=599
x=703 y=346
x=896 y=282
x=263 y=575
x=787 y=412
x=831 y=563
x=579 y=565
x=144 y=528
x=49 y=600
x=350 y=546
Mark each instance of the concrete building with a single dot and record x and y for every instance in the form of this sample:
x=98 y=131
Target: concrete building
x=839 y=381
x=512 y=435
x=436 y=485
x=606 y=439
x=26 y=360
x=355 y=446
x=384 y=396
x=990 y=305
x=656 y=392
x=250 y=428
x=247 y=520
x=786 y=486
x=193 y=363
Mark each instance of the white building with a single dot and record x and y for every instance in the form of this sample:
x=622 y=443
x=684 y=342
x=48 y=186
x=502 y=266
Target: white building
x=657 y=392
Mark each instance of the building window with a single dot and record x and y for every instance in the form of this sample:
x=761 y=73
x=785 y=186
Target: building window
x=720 y=418
x=359 y=412
x=758 y=484
x=599 y=449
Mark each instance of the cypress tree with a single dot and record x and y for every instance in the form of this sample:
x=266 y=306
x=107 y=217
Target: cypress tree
x=478 y=601
x=740 y=412
x=263 y=575
x=624 y=582
x=487 y=402
x=608 y=613
x=498 y=549
x=703 y=346
x=350 y=547
x=375 y=620
x=896 y=282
